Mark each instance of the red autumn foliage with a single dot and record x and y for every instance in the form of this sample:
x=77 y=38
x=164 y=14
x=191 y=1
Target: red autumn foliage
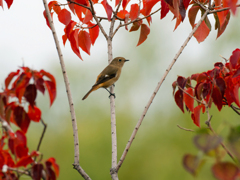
x=219 y=86
x=20 y=91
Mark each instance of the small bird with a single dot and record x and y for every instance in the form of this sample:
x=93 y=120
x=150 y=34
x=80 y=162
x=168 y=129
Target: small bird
x=108 y=76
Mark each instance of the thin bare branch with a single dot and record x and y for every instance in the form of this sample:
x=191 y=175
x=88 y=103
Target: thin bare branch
x=97 y=21
x=41 y=138
x=156 y=90
x=80 y=5
x=76 y=164
x=223 y=9
x=185 y=129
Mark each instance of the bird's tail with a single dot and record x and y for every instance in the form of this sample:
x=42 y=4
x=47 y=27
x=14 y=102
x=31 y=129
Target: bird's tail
x=91 y=90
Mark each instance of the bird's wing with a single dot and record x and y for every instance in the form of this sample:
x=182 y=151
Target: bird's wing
x=106 y=75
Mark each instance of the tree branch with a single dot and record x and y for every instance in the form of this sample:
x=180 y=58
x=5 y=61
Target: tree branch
x=79 y=5
x=185 y=129
x=156 y=90
x=76 y=164
x=41 y=138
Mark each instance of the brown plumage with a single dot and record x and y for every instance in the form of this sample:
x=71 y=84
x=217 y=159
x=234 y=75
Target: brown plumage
x=109 y=75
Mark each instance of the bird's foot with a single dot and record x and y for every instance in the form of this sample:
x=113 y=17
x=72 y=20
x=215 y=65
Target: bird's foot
x=112 y=94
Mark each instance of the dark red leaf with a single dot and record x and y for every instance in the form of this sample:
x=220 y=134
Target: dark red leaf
x=9 y=3
x=206 y=89
x=236 y=73
x=34 y=113
x=145 y=30
x=135 y=26
x=182 y=10
x=186 y=3
x=51 y=87
x=64 y=16
x=181 y=81
x=179 y=99
x=55 y=165
x=235 y=58
x=225 y=171
x=21 y=138
x=202 y=77
x=125 y=3
x=134 y=12
x=37 y=171
x=83 y=2
x=30 y=94
x=217 y=98
x=164 y=9
x=107 y=8
x=50 y=173
x=84 y=41
x=93 y=32
x=21 y=118
x=40 y=85
x=221 y=85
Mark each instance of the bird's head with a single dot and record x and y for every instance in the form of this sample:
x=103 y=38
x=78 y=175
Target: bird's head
x=119 y=61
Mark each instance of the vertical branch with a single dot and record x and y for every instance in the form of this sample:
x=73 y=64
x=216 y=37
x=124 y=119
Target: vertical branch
x=76 y=164
x=156 y=90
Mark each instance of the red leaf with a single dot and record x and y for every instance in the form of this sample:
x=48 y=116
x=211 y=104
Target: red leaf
x=164 y=9
x=37 y=171
x=232 y=4
x=39 y=85
x=135 y=26
x=134 y=12
x=83 y=2
x=64 y=16
x=34 y=113
x=125 y=3
x=181 y=81
x=79 y=11
x=50 y=173
x=179 y=99
x=93 y=32
x=186 y=3
x=10 y=77
x=225 y=171
x=202 y=32
x=71 y=7
x=148 y=5
x=30 y=94
x=221 y=85
x=122 y=14
x=54 y=5
x=74 y=42
x=51 y=87
x=49 y=75
x=145 y=30
x=189 y=101
x=45 y=15
x=107 y=8
x=24 y=161
x=55 y=165
x=196 y=115
x=88 y=17
x=1 y=4
x=21 y=118
x=217 y=98
x=235 y=58
x=21 y=138
x=221 y=28
x=84 y=41
x=21 y=150
x=69 y=29
x=9 y=3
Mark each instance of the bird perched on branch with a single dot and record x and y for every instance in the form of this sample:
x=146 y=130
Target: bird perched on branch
x=108 y=76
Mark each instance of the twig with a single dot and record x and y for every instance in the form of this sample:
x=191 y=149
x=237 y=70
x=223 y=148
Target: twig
x=223 y=9
x=156 y=90
x=76 y=164
x=185 y=128
x=190 y=95
x=96 y=19
x=19 y=171
x=79 y=4
x=41 y=138
x=6 y=126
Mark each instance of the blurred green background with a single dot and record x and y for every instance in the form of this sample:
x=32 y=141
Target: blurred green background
x=157 y=151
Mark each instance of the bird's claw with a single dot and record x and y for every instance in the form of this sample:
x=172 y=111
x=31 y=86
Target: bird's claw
x=112 y=94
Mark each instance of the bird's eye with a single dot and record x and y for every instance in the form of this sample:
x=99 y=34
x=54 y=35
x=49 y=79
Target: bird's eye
x=119 y=60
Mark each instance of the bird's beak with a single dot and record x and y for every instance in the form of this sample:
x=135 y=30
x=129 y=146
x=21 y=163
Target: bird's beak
x=126 y=60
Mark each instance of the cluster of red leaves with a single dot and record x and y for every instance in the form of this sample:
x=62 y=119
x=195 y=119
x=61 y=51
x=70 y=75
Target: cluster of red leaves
x=18 y=106
x=219 y=85
x=221 y=18
x=24 y=85
x=74 y=32
x=17 y=155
